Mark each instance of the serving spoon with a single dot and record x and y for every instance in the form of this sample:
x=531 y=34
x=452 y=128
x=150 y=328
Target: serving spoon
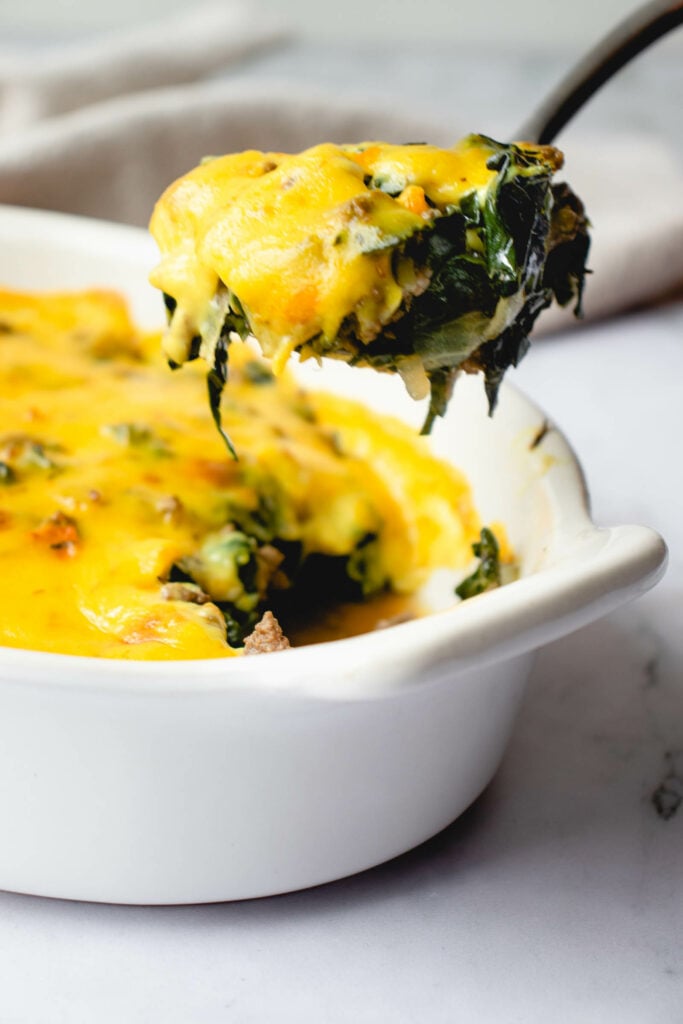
x=629 y=38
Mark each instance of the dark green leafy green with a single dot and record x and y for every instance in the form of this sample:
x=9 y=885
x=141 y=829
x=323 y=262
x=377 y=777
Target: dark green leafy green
x=137 y=435
x=257 y=372
x=487 y=575
x=21 y=453
x=535 y=242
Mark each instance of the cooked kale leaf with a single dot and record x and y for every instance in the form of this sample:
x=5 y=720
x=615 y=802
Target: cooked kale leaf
x=487 y=575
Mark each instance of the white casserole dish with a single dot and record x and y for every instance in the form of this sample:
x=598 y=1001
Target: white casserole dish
x=199 y=781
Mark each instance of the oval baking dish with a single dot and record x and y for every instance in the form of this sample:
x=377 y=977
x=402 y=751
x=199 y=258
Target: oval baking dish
x=182 y=782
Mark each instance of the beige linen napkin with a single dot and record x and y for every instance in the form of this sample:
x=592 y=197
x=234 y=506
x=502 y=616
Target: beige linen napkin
x=103 y=132
x=181 y=48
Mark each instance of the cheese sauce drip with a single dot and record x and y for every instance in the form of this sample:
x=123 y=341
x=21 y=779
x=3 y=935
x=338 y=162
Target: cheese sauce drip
x=112 y=476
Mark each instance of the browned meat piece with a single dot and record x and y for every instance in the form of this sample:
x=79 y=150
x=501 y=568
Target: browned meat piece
x=184 y=592
x=59 y=532
x=267 y=637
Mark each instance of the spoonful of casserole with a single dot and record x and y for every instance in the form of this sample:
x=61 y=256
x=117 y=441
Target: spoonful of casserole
x=407 y=259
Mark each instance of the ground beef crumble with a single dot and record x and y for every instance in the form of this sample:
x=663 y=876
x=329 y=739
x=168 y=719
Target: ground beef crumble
x=267 y=637
x=189 y=592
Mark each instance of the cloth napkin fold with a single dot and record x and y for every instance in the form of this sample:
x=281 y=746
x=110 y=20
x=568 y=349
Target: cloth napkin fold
x=182 y=48
x=101 y=130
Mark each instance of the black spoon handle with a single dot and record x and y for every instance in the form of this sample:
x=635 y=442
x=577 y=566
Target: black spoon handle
x=647 y=24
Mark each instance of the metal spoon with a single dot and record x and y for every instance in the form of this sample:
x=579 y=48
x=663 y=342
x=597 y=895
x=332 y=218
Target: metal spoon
x=647 y=24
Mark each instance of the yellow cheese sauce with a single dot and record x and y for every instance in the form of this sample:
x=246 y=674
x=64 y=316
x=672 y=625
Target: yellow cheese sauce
x=112 y=472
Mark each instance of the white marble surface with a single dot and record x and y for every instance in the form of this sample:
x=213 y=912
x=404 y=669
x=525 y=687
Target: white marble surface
x=559 y=896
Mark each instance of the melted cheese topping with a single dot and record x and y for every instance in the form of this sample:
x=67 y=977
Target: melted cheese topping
x=111 y=470
x=305 y=241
